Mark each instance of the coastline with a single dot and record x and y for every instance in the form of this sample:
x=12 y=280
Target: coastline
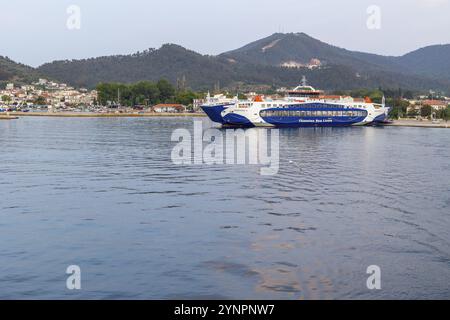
x=105 y=115
x=16 y=115
x=7 y=117
x=418 y=124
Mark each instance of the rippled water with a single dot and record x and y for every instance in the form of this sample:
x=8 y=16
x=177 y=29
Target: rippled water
x=103 y=194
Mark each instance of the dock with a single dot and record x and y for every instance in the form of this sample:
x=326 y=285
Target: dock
x=7 y=117
x=419 y=123
x=106 y=115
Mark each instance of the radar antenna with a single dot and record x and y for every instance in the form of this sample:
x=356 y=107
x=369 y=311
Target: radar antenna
x=304 y=82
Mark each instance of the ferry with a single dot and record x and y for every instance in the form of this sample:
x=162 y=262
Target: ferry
x=302 y=107
x=216 y=105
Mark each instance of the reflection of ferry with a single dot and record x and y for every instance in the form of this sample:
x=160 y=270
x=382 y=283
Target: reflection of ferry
x=303 y=107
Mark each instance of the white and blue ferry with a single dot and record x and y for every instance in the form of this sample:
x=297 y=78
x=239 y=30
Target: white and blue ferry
x=303 y=107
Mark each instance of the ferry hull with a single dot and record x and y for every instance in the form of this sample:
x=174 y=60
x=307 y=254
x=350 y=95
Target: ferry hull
x=315 y=122
x=215 y=112
x=299 y=124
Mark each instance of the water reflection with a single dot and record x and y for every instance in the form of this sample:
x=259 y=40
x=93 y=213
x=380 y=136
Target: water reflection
x=105 y=195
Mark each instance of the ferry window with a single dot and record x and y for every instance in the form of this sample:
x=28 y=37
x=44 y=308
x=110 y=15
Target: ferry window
x=263 y=105
x=269 y=105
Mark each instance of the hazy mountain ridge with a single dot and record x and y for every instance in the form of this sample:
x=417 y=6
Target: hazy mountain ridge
x=258 y=63
x=302 y=48
x=431 y=61
x=16 y=72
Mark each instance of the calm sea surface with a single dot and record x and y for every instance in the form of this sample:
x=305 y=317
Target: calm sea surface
x=104 y=194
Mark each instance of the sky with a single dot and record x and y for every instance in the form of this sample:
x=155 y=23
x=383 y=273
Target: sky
x=36 y=31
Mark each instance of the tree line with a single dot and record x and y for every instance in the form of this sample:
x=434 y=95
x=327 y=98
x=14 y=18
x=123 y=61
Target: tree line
x=144 y=93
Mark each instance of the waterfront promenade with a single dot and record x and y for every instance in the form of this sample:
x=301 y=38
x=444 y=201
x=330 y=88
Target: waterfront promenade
x=7 y=117
x=395 y=123
x=105 y=115
x=419 y=124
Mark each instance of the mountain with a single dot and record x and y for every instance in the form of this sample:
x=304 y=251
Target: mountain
x=279 y=49
x=431 y=61
x=11 y=71
x=170 y=62
x=264 y=62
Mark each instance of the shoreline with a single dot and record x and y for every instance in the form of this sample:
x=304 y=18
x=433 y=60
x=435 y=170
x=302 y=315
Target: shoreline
x=418 y=124
x=105 y=115
x=8 y=117
x=15 y=115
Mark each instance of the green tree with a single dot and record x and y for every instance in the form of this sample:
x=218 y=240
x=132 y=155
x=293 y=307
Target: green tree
x=166 y=90
x=6 y=99
x=412 y=113
x=242 y=96
x=444 y=114
x=145 y=92
x=426 y=111
x=186 y=97
x=40 y=101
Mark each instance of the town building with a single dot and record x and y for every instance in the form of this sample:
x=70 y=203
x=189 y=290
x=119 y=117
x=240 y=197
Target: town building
x=168 y=107
x=435 y=104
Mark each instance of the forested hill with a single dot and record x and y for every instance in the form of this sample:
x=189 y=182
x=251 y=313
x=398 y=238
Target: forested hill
x=11 y=71
x=278 y=60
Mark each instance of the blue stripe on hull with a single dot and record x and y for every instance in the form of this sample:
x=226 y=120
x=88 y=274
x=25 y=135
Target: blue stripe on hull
x=215 y=112
x=381 y=118
x=296 y=122
x=237 y=120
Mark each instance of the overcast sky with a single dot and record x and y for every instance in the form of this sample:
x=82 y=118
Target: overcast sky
x=35 y=31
